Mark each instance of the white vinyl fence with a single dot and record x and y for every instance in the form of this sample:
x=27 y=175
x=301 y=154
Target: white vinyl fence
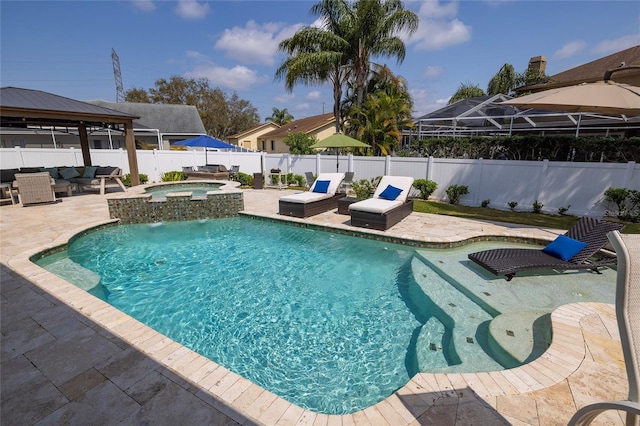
x=554 y=184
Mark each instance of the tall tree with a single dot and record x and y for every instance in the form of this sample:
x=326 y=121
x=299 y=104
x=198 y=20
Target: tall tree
x=318 y=55
x=280 y=116
x=222 y=115
x=503 y=82
x=374 y=27
x=342 y=48
x=465 y=91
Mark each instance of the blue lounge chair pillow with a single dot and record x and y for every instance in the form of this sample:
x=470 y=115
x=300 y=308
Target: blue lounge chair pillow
x=68 y=173
x=321 y=186
x=390 y=193
x=564 y=247
x=89 y=172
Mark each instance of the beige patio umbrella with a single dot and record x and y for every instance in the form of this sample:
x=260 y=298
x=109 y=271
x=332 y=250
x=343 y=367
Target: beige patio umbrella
x=604 y=97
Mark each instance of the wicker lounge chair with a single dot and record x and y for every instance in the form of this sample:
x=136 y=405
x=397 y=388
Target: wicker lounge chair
x=380 y=212
x=35 y=188
x=628 y=314
x=314 y=201
x=509 y=261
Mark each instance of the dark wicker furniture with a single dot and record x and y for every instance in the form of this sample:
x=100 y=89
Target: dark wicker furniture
x=381 y=221
x=288 y=208
x=509 y=261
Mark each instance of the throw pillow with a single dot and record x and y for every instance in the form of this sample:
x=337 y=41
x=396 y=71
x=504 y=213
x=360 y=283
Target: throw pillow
x=564 y=247
x=321 y=186
x=390 y=193
x=89 y=172
x=68 y=173
x=53 y=171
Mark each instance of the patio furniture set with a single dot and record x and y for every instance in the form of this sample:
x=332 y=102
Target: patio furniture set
x=32 y=185
x=210 y=171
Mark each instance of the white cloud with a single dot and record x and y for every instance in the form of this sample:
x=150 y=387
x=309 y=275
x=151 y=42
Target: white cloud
x=313 y=95
x=144 y=5
x=284 y=98
x=606 y=47
x=237 y=78
x=423 y=105
x=191 y=9
x=439 y=27
x=570 y=49
x=255 y=43
x=303 y=106
x=194 y=54
x=433 y=71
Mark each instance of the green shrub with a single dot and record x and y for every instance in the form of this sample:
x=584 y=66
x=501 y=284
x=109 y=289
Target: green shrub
x=537 y=207
x=126 y=179
x=363 y=188
x=297 y=180
x=426 y=187
x=485 y=203
x=512 y=205
x=454 y=192
x=618 y=196
x=172 y=176
x=244 y=179
x=562 y=210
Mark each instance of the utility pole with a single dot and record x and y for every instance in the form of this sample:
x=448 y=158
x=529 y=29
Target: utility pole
x=117 y=76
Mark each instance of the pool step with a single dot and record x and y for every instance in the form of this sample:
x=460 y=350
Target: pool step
x=74 y=273
x=468 y=322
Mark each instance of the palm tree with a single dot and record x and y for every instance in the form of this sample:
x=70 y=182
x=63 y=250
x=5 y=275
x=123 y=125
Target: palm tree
x=280 y=116
x=374 y=25
x=342 y=48
x=466 y=91
x=503 y=82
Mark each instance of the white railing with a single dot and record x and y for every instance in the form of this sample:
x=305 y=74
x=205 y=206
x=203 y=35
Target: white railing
x=554 y=184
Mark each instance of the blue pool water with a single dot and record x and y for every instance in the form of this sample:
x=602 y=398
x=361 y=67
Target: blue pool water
x=161 y=191
x=332 y=323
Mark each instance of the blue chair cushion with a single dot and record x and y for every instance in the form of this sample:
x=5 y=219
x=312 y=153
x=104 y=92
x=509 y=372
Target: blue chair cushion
x=321 y=186
x=89 y=172
x=390 y=193
x=564 y=247
x=68 y=173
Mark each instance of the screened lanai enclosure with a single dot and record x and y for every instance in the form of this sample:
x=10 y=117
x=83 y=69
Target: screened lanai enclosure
x=485 y=116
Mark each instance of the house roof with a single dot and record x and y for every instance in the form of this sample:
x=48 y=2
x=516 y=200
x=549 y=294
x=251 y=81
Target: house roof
x=306 y=125
x=253 y=129
x=20 y=107
x=166 y=118
x=594 y=71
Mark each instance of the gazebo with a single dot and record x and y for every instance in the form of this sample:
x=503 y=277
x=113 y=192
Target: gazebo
x=33 y=108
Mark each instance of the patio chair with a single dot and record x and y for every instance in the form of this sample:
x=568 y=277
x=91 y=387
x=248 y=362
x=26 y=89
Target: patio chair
x=233 y=172
x=35 y=188
x=309 y=178
x=628 y=315
x=389 y=205
x=346 y=183
x=571 y=251
x=323 y=196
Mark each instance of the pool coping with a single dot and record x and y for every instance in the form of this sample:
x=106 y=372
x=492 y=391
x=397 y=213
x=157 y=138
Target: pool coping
x=562 y=358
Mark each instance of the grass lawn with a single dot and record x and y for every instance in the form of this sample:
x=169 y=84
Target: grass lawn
x=523 y=218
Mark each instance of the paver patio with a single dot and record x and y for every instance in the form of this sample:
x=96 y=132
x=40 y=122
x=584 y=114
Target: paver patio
x=69 y=358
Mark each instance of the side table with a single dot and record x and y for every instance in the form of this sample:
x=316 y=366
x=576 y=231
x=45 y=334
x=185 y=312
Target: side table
x=344 y=203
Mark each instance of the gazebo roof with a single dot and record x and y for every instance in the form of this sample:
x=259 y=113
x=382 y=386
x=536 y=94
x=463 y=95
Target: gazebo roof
x=20 y=107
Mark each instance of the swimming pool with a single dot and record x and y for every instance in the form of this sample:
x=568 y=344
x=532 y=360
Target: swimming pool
x=196 y=188
x=282 y=324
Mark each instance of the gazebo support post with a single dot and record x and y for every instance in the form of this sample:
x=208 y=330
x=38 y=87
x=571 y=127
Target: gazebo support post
x=84 y=144
x=130 y=143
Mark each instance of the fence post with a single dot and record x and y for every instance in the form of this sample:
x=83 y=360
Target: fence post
x=350 y=162
x=626 y=183
x=542 y=176
x=318 y=164
x=480 y=164
x=387 y=165
x=430 y=168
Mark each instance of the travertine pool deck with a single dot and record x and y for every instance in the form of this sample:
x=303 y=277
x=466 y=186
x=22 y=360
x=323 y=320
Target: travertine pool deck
x=69 y=358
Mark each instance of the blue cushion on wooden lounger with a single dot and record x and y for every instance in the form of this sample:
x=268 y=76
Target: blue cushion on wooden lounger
x=564 y=247
x=390 y=193
x=321 y=186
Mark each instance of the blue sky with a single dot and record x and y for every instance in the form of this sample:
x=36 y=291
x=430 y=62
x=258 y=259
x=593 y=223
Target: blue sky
x=64 y=47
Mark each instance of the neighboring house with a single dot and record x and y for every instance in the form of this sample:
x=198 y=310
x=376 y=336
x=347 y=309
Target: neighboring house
x=319 y=126
x=158 y=126
x=248 y=139
x=592 y=71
